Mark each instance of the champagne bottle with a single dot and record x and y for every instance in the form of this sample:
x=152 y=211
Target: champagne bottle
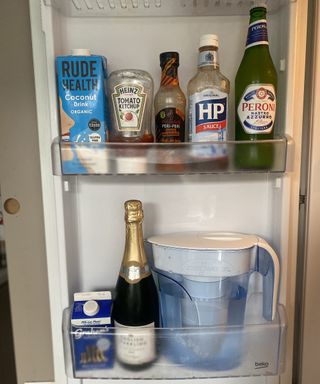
x=255 y=96
x=135 y=309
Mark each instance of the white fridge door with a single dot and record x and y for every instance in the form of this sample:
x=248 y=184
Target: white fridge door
x=273 y=214
x=310 y=336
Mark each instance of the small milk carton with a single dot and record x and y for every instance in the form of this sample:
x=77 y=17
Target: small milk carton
x=92 y=344
x=83 y=106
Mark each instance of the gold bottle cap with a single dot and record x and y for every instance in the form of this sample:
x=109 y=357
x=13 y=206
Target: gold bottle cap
x=133 y=211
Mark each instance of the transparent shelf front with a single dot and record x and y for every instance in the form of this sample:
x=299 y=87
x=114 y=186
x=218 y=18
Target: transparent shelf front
x=255 y=349
x=183 y=158
x=131 y=8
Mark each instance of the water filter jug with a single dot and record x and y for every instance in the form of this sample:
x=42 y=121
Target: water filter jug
x=204 y=281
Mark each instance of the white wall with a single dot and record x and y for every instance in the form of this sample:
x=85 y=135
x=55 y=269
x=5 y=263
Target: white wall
x=20 y=178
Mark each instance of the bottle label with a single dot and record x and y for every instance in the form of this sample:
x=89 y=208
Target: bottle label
x=134 y=273
x=135 y=345
x=128 y=104
x=257 y=33
x=169 y=73
x=208 y=115
x=170 y=126
x=257 y=109
x=207 y=58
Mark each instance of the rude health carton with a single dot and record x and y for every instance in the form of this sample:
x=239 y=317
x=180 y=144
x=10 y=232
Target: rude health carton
x=92 y=344
x=83 y=109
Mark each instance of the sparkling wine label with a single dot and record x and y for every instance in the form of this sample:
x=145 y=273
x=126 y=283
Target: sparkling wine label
x=135 y=345
x=134 y=273
x=257 y=109
x=257 y=34
x=129 y=103
x=170 y=126
x=208 y=115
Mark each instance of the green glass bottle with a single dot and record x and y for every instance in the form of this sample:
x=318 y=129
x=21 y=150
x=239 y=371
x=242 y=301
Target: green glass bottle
x=255 y=97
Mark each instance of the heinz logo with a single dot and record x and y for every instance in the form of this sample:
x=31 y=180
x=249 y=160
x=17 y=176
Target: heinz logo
x=211 y=115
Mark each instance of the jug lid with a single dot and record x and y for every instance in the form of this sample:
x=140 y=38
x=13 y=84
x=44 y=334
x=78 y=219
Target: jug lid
x=200 y=253
x=205 y=240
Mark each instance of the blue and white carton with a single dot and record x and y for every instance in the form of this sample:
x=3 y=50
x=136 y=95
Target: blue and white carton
x=91 y=340
x=83 y=105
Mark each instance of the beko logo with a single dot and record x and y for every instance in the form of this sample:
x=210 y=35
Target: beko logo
x=261 y=364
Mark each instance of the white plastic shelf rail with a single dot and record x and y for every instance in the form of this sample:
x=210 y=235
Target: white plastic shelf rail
x=130 y=8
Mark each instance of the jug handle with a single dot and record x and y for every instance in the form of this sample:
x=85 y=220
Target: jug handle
x=276 y=265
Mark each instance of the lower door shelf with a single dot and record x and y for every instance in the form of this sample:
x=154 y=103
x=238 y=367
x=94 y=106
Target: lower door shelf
x=255 y=349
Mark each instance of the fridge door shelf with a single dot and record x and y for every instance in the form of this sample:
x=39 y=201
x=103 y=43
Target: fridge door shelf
x=131 y=8
x=182 y=158
x=182 y=353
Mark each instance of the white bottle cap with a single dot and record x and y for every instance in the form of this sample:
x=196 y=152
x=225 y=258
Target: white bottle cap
x=80 y=52
x=209 y=41
x=91 y=308
x=259 y=5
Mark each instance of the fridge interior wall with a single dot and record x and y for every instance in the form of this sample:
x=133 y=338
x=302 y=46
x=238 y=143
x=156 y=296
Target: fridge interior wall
x=90 y=208
x=244 y=203
x=96 y=232
x=136 y=42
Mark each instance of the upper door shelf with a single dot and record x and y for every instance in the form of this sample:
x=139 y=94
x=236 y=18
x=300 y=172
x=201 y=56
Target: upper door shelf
x=264 y=156
x=132 y=8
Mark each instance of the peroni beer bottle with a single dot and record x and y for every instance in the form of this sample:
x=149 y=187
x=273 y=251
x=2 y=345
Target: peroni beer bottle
x=255 y=96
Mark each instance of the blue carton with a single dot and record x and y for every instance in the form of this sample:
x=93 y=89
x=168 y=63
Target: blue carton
x=82 y=97
x=92 y=343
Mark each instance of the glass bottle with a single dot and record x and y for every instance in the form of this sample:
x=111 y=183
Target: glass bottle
x=208 y=93
x=131 y=96
x=169 y=102
x=135 y=309
x=255 y=95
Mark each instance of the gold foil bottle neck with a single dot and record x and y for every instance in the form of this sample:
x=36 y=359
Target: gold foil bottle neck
x=133 y=211
x=134 y=263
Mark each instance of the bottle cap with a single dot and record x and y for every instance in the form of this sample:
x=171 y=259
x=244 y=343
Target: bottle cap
x=209 y=41
x=133 y=211
x=80 y=52
x=259 y=5
x=91 y=308
x=166 y=56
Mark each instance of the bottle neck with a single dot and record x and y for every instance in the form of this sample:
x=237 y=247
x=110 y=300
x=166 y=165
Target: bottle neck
x=208 y=58
x=169 y=75
x=134 y=265
x=258 y=30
